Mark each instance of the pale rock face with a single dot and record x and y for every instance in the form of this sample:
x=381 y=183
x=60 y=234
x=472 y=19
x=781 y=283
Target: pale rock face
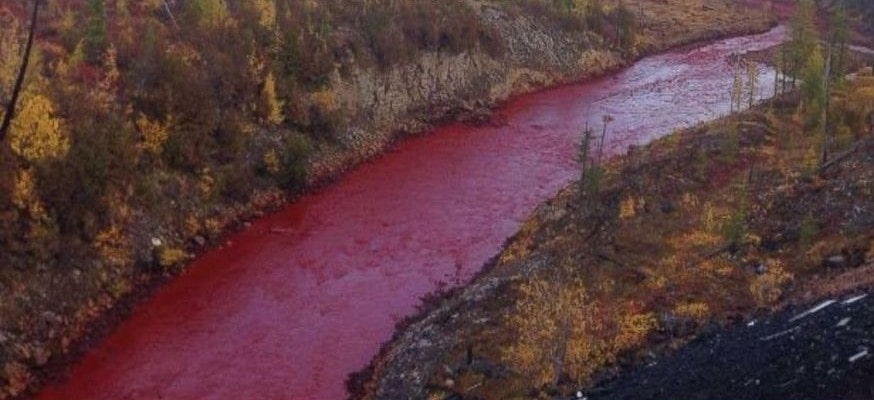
x=381 y=104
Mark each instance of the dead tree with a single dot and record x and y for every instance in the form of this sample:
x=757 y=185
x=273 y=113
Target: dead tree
x=826 y=132
x=19 y=81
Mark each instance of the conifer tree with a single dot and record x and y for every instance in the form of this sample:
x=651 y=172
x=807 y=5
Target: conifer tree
x=270 y=100
x=95 y=31
x=804 y=37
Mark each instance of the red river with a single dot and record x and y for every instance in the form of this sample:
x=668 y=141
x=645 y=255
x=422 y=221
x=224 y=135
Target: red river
x=307 y=295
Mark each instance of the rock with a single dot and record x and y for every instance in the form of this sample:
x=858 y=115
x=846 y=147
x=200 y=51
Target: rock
x=667 y=207
x=200 y=240
x=157 y=242
x=835 y=262
x=41 y=357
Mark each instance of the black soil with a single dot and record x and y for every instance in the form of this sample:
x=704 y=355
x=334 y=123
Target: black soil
x=825 y=355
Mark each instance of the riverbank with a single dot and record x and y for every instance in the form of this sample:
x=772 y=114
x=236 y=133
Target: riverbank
x=46 y=335
x=699 y=230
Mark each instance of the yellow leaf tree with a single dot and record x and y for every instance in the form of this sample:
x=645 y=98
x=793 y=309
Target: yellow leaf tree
x=36 y=132
x=555 y=324
x=270 y=101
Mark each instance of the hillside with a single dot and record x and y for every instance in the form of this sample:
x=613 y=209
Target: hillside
x=147 y=130
x=709 y=227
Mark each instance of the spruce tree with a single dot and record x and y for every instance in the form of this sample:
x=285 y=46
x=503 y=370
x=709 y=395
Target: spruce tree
x=95 y=31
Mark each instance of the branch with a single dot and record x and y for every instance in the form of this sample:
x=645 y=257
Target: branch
x=19 y=81
x=840 y=157
x=170 y=13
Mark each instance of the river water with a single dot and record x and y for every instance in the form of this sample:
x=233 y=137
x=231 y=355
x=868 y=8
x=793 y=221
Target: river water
x=307 y=295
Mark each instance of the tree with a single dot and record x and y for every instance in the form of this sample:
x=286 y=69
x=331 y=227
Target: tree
x=95 y=31
x=752 y=81
x=626 y=27
x=804 y=37
x=36 y=133
x=266 y=10
x=208 y=13
x=270 y=101
x=22 y=72
x=839 y=37
x=736 y=86
x=813 y=87
x=554 y=323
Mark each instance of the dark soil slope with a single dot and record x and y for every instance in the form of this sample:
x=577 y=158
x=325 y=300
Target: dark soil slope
x=818 y=352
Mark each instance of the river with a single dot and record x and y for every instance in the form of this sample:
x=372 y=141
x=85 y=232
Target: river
x=293 y=304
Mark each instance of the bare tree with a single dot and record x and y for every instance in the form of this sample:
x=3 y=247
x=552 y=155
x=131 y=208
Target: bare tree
x=826 y=132
x=19 y=81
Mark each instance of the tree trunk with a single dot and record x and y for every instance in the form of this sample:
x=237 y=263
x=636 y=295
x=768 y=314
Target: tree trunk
x=19 y=81
x=826 y=136
x=560 y=353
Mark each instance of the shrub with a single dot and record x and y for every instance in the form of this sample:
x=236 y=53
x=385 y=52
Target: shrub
x=807 y=230
x=169 y=257
x=295 y=157
x=767 y=288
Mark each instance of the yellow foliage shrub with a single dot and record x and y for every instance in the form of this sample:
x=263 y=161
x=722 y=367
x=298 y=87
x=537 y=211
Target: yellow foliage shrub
x=693 y=310
x=266 y=12
x=36 y=133
x=24 y=194
x=206 y=184
x=554 y=321
x=154 y=134
x=271 y=162
x=717 y=267
x=559 y=331
x=192 y=225
x=768 y=287
x=113 y=246
x=213 y=226
x=633 y=330
x=169 y=257
x=628 y=208
x=271 y=101
x=324 y=100
x=656 y=282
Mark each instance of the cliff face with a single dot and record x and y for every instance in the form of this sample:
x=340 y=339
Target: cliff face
x=380 y=104
x=437 y=86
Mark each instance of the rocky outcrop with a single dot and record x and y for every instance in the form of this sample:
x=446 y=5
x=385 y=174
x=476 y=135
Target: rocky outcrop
x=381 y=105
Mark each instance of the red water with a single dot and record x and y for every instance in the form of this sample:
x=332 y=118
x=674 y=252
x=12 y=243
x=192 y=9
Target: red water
x=288 y=315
